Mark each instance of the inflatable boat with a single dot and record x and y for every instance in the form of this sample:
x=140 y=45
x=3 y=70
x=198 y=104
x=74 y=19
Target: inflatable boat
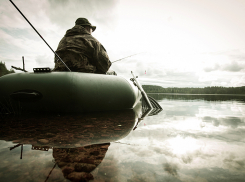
x=42 y=91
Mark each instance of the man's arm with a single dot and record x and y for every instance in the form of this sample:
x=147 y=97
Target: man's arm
x=102 y=59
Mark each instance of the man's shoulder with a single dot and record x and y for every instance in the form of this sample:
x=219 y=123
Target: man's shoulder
x=78 y=32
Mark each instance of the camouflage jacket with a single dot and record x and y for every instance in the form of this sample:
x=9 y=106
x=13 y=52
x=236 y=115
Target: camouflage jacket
x=81 y=52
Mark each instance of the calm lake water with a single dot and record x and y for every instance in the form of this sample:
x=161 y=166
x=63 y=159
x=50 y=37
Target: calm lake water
x=194 y=138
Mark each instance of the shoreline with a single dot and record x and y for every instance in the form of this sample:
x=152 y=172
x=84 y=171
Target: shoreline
x=195 y=94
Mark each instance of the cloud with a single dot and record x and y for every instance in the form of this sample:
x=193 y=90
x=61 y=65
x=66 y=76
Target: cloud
x=100 y=13
x=238 y=81
x=233 y=122
x=33 y=10
x=237 y=55
x=214 y=68
x=233 y=162
x=233 y=66
x=188 y=157
x=46 y=60
x=233 y=61
x=172 y=169
x=13 y=48
x=165 y=151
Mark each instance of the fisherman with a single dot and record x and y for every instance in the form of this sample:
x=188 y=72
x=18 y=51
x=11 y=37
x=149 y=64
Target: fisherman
x=80 y=51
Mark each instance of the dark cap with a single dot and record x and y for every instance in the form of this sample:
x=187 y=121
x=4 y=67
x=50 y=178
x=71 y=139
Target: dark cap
x=85 y=22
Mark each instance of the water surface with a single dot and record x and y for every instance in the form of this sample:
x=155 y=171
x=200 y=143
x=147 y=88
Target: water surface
x=195 y=138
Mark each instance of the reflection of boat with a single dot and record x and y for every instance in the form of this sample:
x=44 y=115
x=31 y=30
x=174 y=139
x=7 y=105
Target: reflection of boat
x=70 y=130
x=79 y=142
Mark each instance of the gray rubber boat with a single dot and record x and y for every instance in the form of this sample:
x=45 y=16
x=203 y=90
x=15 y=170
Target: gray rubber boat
x=66 y=92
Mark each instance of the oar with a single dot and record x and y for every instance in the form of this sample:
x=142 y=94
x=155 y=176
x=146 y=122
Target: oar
x=142 y=91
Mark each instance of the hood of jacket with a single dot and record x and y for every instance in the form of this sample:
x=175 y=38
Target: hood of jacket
x=76 y=30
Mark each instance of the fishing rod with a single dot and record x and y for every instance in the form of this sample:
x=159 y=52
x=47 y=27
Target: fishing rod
x=40 y=35
x=126 y=57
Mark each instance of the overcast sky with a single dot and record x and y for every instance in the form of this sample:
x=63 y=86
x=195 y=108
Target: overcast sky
x=182 y=43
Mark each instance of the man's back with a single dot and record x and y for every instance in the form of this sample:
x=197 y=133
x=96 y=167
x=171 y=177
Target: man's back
x=82 y=52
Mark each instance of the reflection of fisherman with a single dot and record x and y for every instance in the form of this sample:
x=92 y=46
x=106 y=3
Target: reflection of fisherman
x=81 y=51
x=78 y=163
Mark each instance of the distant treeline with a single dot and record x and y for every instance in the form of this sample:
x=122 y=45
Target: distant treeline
x=3 y=69
x=206 y=97
x=190 y=90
